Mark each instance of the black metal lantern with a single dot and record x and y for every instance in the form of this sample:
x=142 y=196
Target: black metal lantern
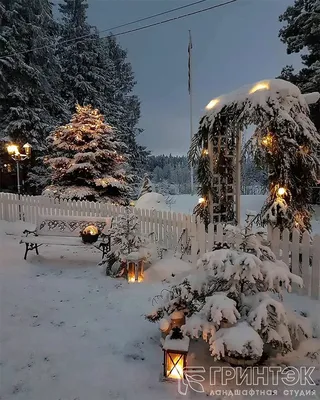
x=175 y=350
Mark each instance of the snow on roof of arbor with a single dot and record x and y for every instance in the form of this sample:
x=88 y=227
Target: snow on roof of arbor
x=258 y=94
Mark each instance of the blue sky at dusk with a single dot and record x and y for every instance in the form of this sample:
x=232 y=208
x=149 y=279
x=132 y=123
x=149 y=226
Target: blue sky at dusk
x=232 y=46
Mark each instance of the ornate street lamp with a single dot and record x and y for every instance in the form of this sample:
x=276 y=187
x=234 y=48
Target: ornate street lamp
x=13 y=151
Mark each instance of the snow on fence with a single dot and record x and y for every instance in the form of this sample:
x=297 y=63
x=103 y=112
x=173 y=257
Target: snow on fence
x=184 y=234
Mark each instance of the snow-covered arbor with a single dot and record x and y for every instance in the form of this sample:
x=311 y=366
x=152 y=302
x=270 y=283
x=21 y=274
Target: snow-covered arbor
x=285 y=142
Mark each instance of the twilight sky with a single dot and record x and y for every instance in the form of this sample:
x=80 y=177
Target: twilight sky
x=232 y=46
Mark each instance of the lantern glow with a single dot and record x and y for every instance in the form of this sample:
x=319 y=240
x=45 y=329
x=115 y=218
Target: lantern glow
x=205 y=152
x=175 y=365
x=202 y=200
x=13 y=149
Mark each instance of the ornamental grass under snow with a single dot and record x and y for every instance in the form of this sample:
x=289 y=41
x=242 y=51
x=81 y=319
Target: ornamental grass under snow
x=233 y=300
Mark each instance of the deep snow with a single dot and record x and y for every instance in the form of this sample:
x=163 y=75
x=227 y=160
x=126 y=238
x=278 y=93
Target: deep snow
x=69 y=333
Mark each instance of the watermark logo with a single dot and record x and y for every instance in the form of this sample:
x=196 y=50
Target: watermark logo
x=268 y=378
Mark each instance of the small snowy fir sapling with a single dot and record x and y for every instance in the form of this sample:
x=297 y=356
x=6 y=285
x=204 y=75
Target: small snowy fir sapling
x=126 y=238
x=230 y=300
x=88 y=162
x=146 y=186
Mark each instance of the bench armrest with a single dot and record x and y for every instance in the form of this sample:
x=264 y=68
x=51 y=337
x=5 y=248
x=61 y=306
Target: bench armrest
x=105 y=236
x=26 y=232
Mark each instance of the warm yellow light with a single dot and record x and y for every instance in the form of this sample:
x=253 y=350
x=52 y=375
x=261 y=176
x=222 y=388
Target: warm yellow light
x=267 y=140
x=132 y=203
x=260 y=86
x=205 y=152
x=281 y=191
x=175 y=366
x=131 y=279
x=13 y=149
x=212 y=103
x=202 y=200
x=91 y=230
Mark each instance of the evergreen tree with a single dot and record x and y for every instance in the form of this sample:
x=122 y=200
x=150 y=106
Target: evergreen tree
x=302 y=34
x=230 y=300
x=123 y=106
x=97 y=72
x=88 y=162
x=30 y=104
x=85 y=68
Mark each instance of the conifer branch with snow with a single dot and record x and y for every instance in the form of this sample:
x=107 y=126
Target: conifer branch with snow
x=233 y=299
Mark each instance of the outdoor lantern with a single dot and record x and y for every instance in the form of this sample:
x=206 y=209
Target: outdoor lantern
x=175 y=349
x=135 y=268
x=27 y=148
x=90 y=234
x=12 y=149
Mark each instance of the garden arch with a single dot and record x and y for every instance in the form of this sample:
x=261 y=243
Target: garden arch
x=285 y=141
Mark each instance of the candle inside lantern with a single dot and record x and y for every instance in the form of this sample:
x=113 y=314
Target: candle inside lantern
x=131 y=272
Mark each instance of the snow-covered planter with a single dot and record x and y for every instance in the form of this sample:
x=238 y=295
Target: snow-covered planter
x=233 y=300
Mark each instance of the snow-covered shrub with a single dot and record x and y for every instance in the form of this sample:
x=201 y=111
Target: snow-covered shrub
x=152 y=201
x=234 y=299
x=126 y=238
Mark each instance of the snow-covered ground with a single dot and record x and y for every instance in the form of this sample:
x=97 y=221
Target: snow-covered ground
x=67 y=332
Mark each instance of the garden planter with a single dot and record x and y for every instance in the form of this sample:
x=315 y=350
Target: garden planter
x=90 y=234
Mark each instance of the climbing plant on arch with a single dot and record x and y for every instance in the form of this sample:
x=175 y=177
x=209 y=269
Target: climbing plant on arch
x=285 y=142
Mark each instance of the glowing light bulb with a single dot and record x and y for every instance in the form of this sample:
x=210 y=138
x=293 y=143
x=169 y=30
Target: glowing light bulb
x=205 y=152
x=281 y=191
x=260 y=86
x=212 y=103
x=202 y=200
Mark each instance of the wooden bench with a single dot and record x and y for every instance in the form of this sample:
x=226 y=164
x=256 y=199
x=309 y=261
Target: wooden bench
x=65 y=231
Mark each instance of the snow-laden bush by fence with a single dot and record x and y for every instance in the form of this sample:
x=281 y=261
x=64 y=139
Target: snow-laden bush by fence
x=184 y=234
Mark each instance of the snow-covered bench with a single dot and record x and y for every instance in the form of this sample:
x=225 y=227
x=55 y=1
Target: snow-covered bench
x=65 y=231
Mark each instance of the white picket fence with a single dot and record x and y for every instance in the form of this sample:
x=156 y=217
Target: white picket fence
x=177 y=232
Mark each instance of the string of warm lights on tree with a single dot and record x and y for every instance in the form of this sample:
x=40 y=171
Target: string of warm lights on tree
x=285 y=143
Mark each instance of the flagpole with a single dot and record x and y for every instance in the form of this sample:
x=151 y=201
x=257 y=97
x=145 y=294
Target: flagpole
x=190 y=99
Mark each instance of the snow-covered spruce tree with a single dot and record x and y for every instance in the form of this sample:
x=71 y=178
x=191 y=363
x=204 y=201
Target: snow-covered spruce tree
x=97 y=72
x=126 y=238
x=85 y=67
x=30 y=104
x=123 y=106
x=146 y=186
x=87 y=161
x=230 y=300
x=301 y=33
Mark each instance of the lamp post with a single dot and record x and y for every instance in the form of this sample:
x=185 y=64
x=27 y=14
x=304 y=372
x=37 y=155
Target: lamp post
x=13 y=151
